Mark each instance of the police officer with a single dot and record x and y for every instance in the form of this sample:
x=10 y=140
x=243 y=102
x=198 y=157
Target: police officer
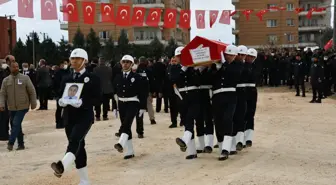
x=78 y=116
x=238 y=119
x=299 y=74
x=128 y=86
x=251 y=96
x=316 y=79
x=224 y=81
x=187 y=88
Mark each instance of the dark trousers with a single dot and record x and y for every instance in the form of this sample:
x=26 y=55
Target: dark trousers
x=43 y=97
x=127 y=113
x=173 y=106
x=16 y=132
x=105 y=102
x=159 y=102
x=251 y=105
x=265 y=76
x=139 y=124
x=76 y=130
x=239 y=114
x=317 y=92
x=114 y=104
x=224 y=106
x=204 y=124
x=4 y=124
x=189 y=112
x=299 y=81
x=58 y=116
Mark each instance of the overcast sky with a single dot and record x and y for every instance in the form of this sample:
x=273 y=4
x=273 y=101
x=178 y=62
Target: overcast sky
x=52 y=28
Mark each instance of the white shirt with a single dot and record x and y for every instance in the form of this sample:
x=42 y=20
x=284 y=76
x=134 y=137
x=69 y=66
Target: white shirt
x=126 y=73
x=80 y=72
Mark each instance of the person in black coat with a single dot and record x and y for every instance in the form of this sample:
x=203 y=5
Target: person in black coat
x=299 y=75
x=316 y=79
x=44 y=83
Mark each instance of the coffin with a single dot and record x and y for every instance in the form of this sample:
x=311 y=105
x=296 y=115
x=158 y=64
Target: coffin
x=201 y=51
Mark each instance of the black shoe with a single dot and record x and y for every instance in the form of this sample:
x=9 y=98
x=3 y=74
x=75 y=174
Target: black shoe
x=312 y=101
x=248 y=144
x=153 y=122
x=181 y=124
x=318 y=101
x=173 y=125
x=117 y=134
x=10 y=147
x=105 y=119
x=200 y=151
x=303 y=95
x=224 y=155
x=239 y=146
x=297 y=95
x=140 y=136
x=166 y=111
x=216 y=146
x=191 y=156
x=119 y=148
x=97 y=118
x=20 y=147
x=58 y=168
x=180 y=142
x=233 y=152
x=129 y=156
x=208 y=149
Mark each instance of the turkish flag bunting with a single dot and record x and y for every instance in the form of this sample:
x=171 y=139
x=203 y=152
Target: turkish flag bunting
x=200 y=22
x=154 y=17
x=261 y=13
x=247 y=14
x=89 y=12
x=298 y=10
x=213 y=14
x=320 y=9
x=123 y=16
x=107 y=12
x=185 y=19
x=48 y=10
x=70 y=11
x=138 y=16
x=170 y=18
x=232 y=13
x=25 y=8
x=282 y=8
x=226 y=17
x=310 y=13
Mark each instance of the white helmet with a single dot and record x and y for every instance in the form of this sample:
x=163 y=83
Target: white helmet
x=128 y=58
x=242 y=49
x=178 y=50
x=252 y=52
x=231 y=50
x=79 y=53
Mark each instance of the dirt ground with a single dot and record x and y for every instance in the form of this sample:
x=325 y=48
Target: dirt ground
x=294 y=144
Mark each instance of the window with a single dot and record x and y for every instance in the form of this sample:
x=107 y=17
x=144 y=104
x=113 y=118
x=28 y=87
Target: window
x=99 y=17
x=271 y=5
x=290 y=22
x=104 y=1
x=311 y=37
x=104 y=35
x=312 y=22
x=271 y=23
x=290 y=37
x=290 y=7
x=272 y=39
x=123 y=1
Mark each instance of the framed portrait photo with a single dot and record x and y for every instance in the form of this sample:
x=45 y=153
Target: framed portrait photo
x=72 y=92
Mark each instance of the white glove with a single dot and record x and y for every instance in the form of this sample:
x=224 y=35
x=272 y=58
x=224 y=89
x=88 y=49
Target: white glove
x=115 y=113
x=61 y=103
x=184 y=68
x=218 y=66
x=141 y=112
x=200 y=68
x=77 y=103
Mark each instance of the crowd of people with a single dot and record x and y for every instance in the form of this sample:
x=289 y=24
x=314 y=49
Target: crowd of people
x=220 y=99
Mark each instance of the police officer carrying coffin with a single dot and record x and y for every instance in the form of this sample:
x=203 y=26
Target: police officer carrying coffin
x=187 y=88
x=224 y=82
x=128 y=86
x=78 y=116
x=316 y=79
x=251 y=96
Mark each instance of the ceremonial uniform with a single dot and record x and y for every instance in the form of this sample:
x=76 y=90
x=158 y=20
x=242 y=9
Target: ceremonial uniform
x=299 y=74
x=316 y=79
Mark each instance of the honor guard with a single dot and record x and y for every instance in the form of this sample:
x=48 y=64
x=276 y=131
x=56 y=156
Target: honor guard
x=251 y=96
x=131 y=97
x=78 y=114
x=316 y=79
x=187 y=88
x=239 y=115
x=224 y=82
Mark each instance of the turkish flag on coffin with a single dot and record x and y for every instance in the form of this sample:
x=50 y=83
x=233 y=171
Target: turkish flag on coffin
x=138 y=16
x=213 y=17
x=107 y=12
x=89 y=12
x=123 y=16
x=70 y=11
x=170 y=18
x=215 y=47
x=25 y=8
x=185 y=19
x=153 y=17
x=48 y=10
x=200 y=22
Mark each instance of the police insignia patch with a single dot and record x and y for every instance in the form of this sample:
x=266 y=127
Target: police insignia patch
x=132 y=80
x=86 y=79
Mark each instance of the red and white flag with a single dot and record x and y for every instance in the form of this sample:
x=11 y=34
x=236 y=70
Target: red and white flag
x=89 y=12
x=3 y=1
x=25 y=8
x=154 y=17
x=48 y=10
x=225 y=17
x=123 y=17
x=200 y=20
x=185 y=19
x=328 y=45
x=170 y=18
x=138 y=16
x=70 y=11
x=107 y=12
x=213 y=14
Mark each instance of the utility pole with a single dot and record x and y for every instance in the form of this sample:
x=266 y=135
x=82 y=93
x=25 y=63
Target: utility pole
x=10 y=33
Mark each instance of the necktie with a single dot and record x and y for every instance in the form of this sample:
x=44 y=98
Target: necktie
x=76 y=75
x=125 y=75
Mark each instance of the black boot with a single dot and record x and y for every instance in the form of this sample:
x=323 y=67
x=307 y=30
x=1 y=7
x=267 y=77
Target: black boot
x=224 y=155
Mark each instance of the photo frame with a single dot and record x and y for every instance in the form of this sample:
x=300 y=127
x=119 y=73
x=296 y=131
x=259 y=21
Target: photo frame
x=72 y=92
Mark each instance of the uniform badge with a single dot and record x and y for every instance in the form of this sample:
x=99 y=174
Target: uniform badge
x=132 y=80
x=86 y=79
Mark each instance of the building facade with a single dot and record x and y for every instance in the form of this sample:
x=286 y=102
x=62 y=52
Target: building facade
x=4 y=36
x=283 y=28
x=141 y=35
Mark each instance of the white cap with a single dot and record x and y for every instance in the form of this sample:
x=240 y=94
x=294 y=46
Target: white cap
x=231 y=50
x=252 y=52
x=79 y=53
x=242 y=49
x=128 y=57
x=178 y=50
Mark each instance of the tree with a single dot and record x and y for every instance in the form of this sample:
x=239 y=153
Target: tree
x=157 y=48
x=123 y=44
x=92 y=44
x=47 y=51
x=325 y=37
x=109 y=50
x=20 y=52
x=170 y=48
x=64 y=49
x=78 y=40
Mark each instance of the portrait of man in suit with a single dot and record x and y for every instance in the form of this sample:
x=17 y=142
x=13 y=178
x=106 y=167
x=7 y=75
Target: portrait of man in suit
x=72 y=91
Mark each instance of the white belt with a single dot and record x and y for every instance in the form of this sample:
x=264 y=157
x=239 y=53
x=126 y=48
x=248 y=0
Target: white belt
x=143 y=74
x=135 y=98
x=228 y=89
x=188 y=88
x=205 y=87
x=250 y=85
x=241 y=85
x=246 y=85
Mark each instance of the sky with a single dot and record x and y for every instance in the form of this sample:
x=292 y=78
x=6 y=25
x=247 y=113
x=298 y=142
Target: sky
x=52 y=28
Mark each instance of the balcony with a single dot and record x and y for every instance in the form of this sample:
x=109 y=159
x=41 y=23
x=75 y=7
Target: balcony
x=304 y=13
x=235 y=1
x=235 y=31
x=147 y=41
x=307 y=44
x=64 y=26
x=308 y=28
x=235 y=17
x=149 y=3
